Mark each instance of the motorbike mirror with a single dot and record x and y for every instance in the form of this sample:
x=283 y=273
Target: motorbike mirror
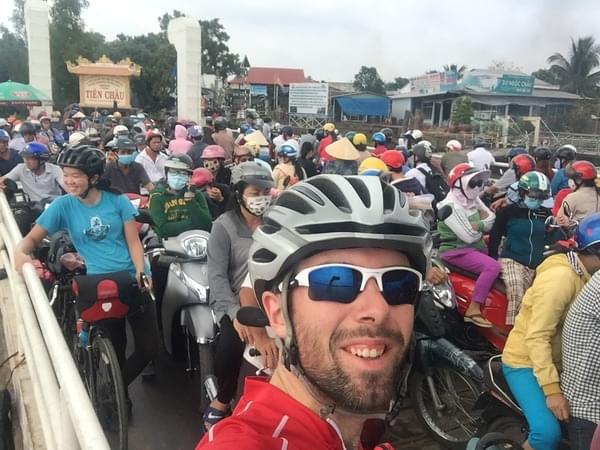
x=444 y=212
x=252 y=316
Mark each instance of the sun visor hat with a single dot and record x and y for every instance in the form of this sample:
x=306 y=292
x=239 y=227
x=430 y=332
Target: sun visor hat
x=343 y=150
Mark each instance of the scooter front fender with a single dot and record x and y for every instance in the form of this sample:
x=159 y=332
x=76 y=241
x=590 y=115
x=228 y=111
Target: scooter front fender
x=200 y=323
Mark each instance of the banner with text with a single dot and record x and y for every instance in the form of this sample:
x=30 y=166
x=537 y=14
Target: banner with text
x=309 y=99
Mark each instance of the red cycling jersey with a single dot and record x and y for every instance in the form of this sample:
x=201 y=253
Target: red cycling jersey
x=266 y=418
x=323 y=155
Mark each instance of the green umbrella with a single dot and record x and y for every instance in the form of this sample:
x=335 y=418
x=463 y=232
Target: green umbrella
x=12 y=93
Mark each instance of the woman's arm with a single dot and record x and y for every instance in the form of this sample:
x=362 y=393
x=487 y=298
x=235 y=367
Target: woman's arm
x=136 y=251
x=24 y=248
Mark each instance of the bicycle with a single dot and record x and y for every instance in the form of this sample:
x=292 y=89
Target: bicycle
x=98 y=299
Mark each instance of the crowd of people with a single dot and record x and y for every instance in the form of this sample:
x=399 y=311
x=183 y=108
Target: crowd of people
x=288 y=213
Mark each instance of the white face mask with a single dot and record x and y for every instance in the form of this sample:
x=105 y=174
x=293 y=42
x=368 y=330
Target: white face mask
x=257 y=205
x=572 y=184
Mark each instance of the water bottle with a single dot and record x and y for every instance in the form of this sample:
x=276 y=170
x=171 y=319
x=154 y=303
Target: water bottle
x=84 y=332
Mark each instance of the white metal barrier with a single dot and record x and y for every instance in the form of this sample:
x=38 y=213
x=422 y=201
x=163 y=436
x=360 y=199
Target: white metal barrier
x=60 y=402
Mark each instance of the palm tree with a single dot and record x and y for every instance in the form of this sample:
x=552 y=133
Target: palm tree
x=576 y=71
x=454 y=68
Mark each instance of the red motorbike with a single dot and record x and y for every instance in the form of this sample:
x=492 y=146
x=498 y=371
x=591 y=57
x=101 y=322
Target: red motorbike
x=494 y=310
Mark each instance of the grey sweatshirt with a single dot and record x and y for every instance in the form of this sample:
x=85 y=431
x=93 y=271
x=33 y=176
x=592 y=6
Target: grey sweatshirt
x=228 y=248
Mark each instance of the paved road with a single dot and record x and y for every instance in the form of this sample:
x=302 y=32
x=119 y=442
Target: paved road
x=166 y=415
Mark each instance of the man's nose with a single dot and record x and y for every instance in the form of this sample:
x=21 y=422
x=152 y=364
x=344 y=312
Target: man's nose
x=370 y=306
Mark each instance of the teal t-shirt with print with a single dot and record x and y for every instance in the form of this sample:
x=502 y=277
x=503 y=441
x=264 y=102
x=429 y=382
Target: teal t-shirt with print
x=96 y=230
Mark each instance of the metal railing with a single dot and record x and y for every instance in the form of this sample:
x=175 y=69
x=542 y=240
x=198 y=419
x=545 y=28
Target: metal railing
x=60 y=401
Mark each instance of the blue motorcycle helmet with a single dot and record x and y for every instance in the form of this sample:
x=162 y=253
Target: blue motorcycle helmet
x=287 y=150
x=36 y=150
x=378 y=137
x=587 y=234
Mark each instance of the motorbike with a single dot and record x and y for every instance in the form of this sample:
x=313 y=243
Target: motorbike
x=25 y=210
x=500 y=412
x=185 y=313
x=444 y=382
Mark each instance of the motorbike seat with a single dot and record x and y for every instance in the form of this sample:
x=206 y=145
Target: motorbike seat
x=495 y=379
x=498 y=284
x=152 y=243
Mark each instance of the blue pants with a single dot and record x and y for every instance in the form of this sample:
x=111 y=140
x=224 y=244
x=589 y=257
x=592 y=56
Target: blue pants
x=544 y=427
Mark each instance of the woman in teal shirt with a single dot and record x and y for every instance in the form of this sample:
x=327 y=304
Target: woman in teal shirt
x=102 y=227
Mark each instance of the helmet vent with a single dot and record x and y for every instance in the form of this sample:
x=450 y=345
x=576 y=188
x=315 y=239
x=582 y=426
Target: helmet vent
x=389 y=199
x=295 y=203
x=303 y=189
x=264 y=256
x=332 y=192
x=361 y=190
x=269 y=226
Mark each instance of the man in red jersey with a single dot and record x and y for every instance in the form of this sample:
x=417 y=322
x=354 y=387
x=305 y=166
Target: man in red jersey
x=340 y=300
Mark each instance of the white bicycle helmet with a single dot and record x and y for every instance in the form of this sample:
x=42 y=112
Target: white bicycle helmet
x=334 y=212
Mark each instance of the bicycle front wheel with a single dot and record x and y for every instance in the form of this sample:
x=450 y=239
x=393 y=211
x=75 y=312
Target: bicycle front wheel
x=109 y=393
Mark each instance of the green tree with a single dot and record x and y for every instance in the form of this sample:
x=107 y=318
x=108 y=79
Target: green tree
x=460 y=70
x=216 y=57
x=397 y=84
x=368 y=80
x=463 y=111
x=155 y=88
x=18 y=19
x=13 y=54
x=68 y=40
x=576 y=71
x=549 y=76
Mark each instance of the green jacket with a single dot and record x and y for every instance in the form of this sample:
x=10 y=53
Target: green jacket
x=172 y=214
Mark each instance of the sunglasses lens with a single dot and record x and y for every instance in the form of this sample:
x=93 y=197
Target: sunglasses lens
x=400 y=287
x=342 y=285
x=337 y=284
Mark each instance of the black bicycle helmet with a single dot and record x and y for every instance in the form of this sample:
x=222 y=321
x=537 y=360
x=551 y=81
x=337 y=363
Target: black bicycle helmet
x=86 y=158
x=566 y=153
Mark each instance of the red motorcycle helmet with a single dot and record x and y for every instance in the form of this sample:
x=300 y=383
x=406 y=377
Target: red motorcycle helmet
x=201 y=177
x=459 y=171
x=522 y=164
x=581 y=171
x=393 y=159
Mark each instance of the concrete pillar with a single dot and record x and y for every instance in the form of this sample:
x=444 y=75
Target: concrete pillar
x=184 y=34
x=38 y=42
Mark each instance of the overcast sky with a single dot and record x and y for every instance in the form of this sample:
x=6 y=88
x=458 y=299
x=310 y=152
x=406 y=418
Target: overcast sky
x=331 y=39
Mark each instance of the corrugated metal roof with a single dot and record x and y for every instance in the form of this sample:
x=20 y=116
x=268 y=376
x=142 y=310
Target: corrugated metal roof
x=272 y=76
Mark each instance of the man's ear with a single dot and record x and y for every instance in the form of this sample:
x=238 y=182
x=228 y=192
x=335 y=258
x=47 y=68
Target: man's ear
x=272 y=306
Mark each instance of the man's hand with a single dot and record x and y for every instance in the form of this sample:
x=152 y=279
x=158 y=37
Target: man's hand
x=215 y=194
x=242 y=331
x=265 y=345
x=499 y=204
x=436 y=275
x=558 y=404
x=562 y=221
x=20 y=260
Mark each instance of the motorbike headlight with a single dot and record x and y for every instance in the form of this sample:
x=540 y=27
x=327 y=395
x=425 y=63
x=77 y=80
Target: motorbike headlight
x=195 y=246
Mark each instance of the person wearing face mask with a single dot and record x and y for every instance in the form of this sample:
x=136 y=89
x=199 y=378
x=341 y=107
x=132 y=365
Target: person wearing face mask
x=227 y=267
x=213 y=159
x=123 y=173
x=174 y=208
x=524 y=226
x=584 y=198
x=462 y=232
x=563 y=157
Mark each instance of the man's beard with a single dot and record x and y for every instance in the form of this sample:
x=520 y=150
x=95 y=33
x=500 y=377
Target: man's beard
x=363 y=392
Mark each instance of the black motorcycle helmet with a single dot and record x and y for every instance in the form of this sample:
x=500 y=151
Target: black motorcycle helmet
x=27 y=128
x=542 y=154
x=220 y=123
x=388 y=133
